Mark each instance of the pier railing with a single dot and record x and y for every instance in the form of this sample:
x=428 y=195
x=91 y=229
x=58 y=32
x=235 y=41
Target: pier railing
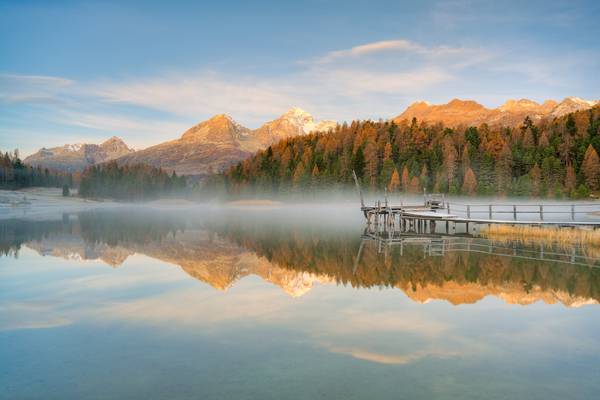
x=493 y=211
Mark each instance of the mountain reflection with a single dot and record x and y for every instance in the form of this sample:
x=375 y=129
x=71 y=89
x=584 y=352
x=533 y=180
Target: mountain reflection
x=222 y=249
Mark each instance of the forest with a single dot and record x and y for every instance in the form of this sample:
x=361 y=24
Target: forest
x=129 y=182
x=16 y=175
x=550 y=158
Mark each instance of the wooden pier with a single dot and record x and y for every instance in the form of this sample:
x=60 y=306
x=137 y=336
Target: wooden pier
x=436 y=214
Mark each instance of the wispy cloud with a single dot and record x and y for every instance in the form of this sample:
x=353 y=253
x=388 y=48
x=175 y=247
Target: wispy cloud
x=139 y=130
x=392 y=46
x=371 y=48
x=201 y=93
x=16 y=88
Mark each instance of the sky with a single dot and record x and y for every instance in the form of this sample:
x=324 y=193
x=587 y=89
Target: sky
x=83 y=71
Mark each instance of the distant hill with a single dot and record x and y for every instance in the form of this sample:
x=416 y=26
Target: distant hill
x=220 y=142
x=75 y=157
x=512 y=113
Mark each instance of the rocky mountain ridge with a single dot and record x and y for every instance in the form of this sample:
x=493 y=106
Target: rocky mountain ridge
x=206 y=147
x=75 y=157
x=459 y=112
x=219 y=142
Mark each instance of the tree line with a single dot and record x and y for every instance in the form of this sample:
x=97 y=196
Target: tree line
x=129 y=182
x=548 y=158
x=16 y=175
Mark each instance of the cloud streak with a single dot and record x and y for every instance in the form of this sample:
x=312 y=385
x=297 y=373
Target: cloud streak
x=393 y=46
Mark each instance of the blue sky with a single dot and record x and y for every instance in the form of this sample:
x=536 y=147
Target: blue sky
x=82 y=71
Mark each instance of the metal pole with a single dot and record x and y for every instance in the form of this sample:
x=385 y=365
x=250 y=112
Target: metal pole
x=490 y=211
x=468 y=211
x=572 y=212
x=515 y=212
x=541 y=212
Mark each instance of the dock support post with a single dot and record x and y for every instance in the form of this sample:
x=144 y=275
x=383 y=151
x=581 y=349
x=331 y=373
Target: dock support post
x=515 y=212
x=572 y=212
x=490 y=211
x=468 y=211
x=541 y=212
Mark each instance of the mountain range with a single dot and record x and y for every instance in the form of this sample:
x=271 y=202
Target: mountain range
x=75 y=157
x=219 y=142
x=512 y=113
x=211 y=145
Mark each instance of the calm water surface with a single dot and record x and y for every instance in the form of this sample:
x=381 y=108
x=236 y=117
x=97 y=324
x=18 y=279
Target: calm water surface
x=233 y=304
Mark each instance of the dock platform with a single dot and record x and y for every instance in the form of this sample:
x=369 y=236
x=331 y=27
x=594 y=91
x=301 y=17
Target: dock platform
x=437 y=213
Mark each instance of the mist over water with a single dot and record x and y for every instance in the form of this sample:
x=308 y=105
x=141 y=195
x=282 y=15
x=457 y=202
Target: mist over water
x=242 y=300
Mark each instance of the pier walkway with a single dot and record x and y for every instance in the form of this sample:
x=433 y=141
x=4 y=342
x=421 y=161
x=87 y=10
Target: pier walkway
x=436 y=212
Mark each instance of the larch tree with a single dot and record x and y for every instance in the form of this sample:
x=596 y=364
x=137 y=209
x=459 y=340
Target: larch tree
x=394 y=184
x=591 y=168
x=405 y=179
x=299 y=172
x=470 y=182
x=372 y=163
x=386 y=171
x=570 y=179
x=314 y=177
x=503 y=170
x=415 y=185
x=535 y=176
x=450 y=159
x=424 y=177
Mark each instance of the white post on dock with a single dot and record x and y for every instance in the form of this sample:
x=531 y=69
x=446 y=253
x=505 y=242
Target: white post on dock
x=386 y=198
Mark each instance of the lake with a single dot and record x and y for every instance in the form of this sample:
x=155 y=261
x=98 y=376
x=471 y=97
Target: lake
x=287 y=302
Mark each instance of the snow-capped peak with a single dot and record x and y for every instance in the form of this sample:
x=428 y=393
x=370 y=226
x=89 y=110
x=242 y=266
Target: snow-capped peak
x=305 y=122
x=581 y=101
x=572 y=104
x=73 y=147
